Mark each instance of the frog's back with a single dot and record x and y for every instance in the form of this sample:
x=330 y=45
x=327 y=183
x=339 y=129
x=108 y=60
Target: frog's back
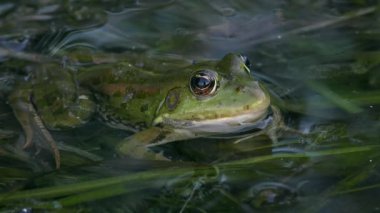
x=128 y=96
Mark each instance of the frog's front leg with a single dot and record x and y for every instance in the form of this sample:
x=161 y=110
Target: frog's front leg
x=138 y=145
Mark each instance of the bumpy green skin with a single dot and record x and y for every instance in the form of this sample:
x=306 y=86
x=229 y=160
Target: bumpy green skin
x=137 y=93
x=57 y=98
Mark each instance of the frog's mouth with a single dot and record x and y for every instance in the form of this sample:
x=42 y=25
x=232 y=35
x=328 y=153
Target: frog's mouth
x=227 y=125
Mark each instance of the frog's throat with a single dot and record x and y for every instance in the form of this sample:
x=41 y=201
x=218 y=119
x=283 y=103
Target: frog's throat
x=232 y=124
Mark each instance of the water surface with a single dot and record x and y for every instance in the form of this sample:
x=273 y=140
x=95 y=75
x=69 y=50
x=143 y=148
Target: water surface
x=320 y=60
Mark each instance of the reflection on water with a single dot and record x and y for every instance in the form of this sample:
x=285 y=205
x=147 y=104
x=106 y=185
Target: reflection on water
x=319 y=59
x=209 y=30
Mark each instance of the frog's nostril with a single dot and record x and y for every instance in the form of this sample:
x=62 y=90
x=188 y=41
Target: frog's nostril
x=238 y=89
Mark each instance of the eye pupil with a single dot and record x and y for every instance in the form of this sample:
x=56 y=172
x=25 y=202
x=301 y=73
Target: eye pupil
x=201 y=82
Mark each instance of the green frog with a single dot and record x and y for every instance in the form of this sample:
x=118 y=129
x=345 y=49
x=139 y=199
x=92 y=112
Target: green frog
x=161 y=101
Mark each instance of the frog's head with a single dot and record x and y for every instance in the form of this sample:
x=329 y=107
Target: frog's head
x=215 y=97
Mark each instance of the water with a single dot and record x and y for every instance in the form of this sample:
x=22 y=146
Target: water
x=320 y=59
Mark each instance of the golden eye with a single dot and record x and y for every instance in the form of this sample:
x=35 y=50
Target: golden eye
x=204 y=83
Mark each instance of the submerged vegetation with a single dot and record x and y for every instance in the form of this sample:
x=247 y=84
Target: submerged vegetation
x=319 y=59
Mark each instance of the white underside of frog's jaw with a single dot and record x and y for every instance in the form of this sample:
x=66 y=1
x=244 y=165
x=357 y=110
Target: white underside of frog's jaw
x=233 y=124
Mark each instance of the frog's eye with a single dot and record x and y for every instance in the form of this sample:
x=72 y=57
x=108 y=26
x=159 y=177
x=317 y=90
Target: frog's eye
x=247 y=63
x=204 y=83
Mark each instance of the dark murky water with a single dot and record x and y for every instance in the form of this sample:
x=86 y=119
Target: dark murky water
x=320 y=59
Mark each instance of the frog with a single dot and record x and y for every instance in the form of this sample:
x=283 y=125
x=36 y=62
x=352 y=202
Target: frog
x=158 y=101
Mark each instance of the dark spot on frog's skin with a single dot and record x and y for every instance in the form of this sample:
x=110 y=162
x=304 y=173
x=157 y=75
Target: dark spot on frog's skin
x=117 y=94
x=172 y=99
x=144 y=108
x=161 y=125
x=160 y=136
x=95 y=81
x=246 y=107
x=140 y=125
